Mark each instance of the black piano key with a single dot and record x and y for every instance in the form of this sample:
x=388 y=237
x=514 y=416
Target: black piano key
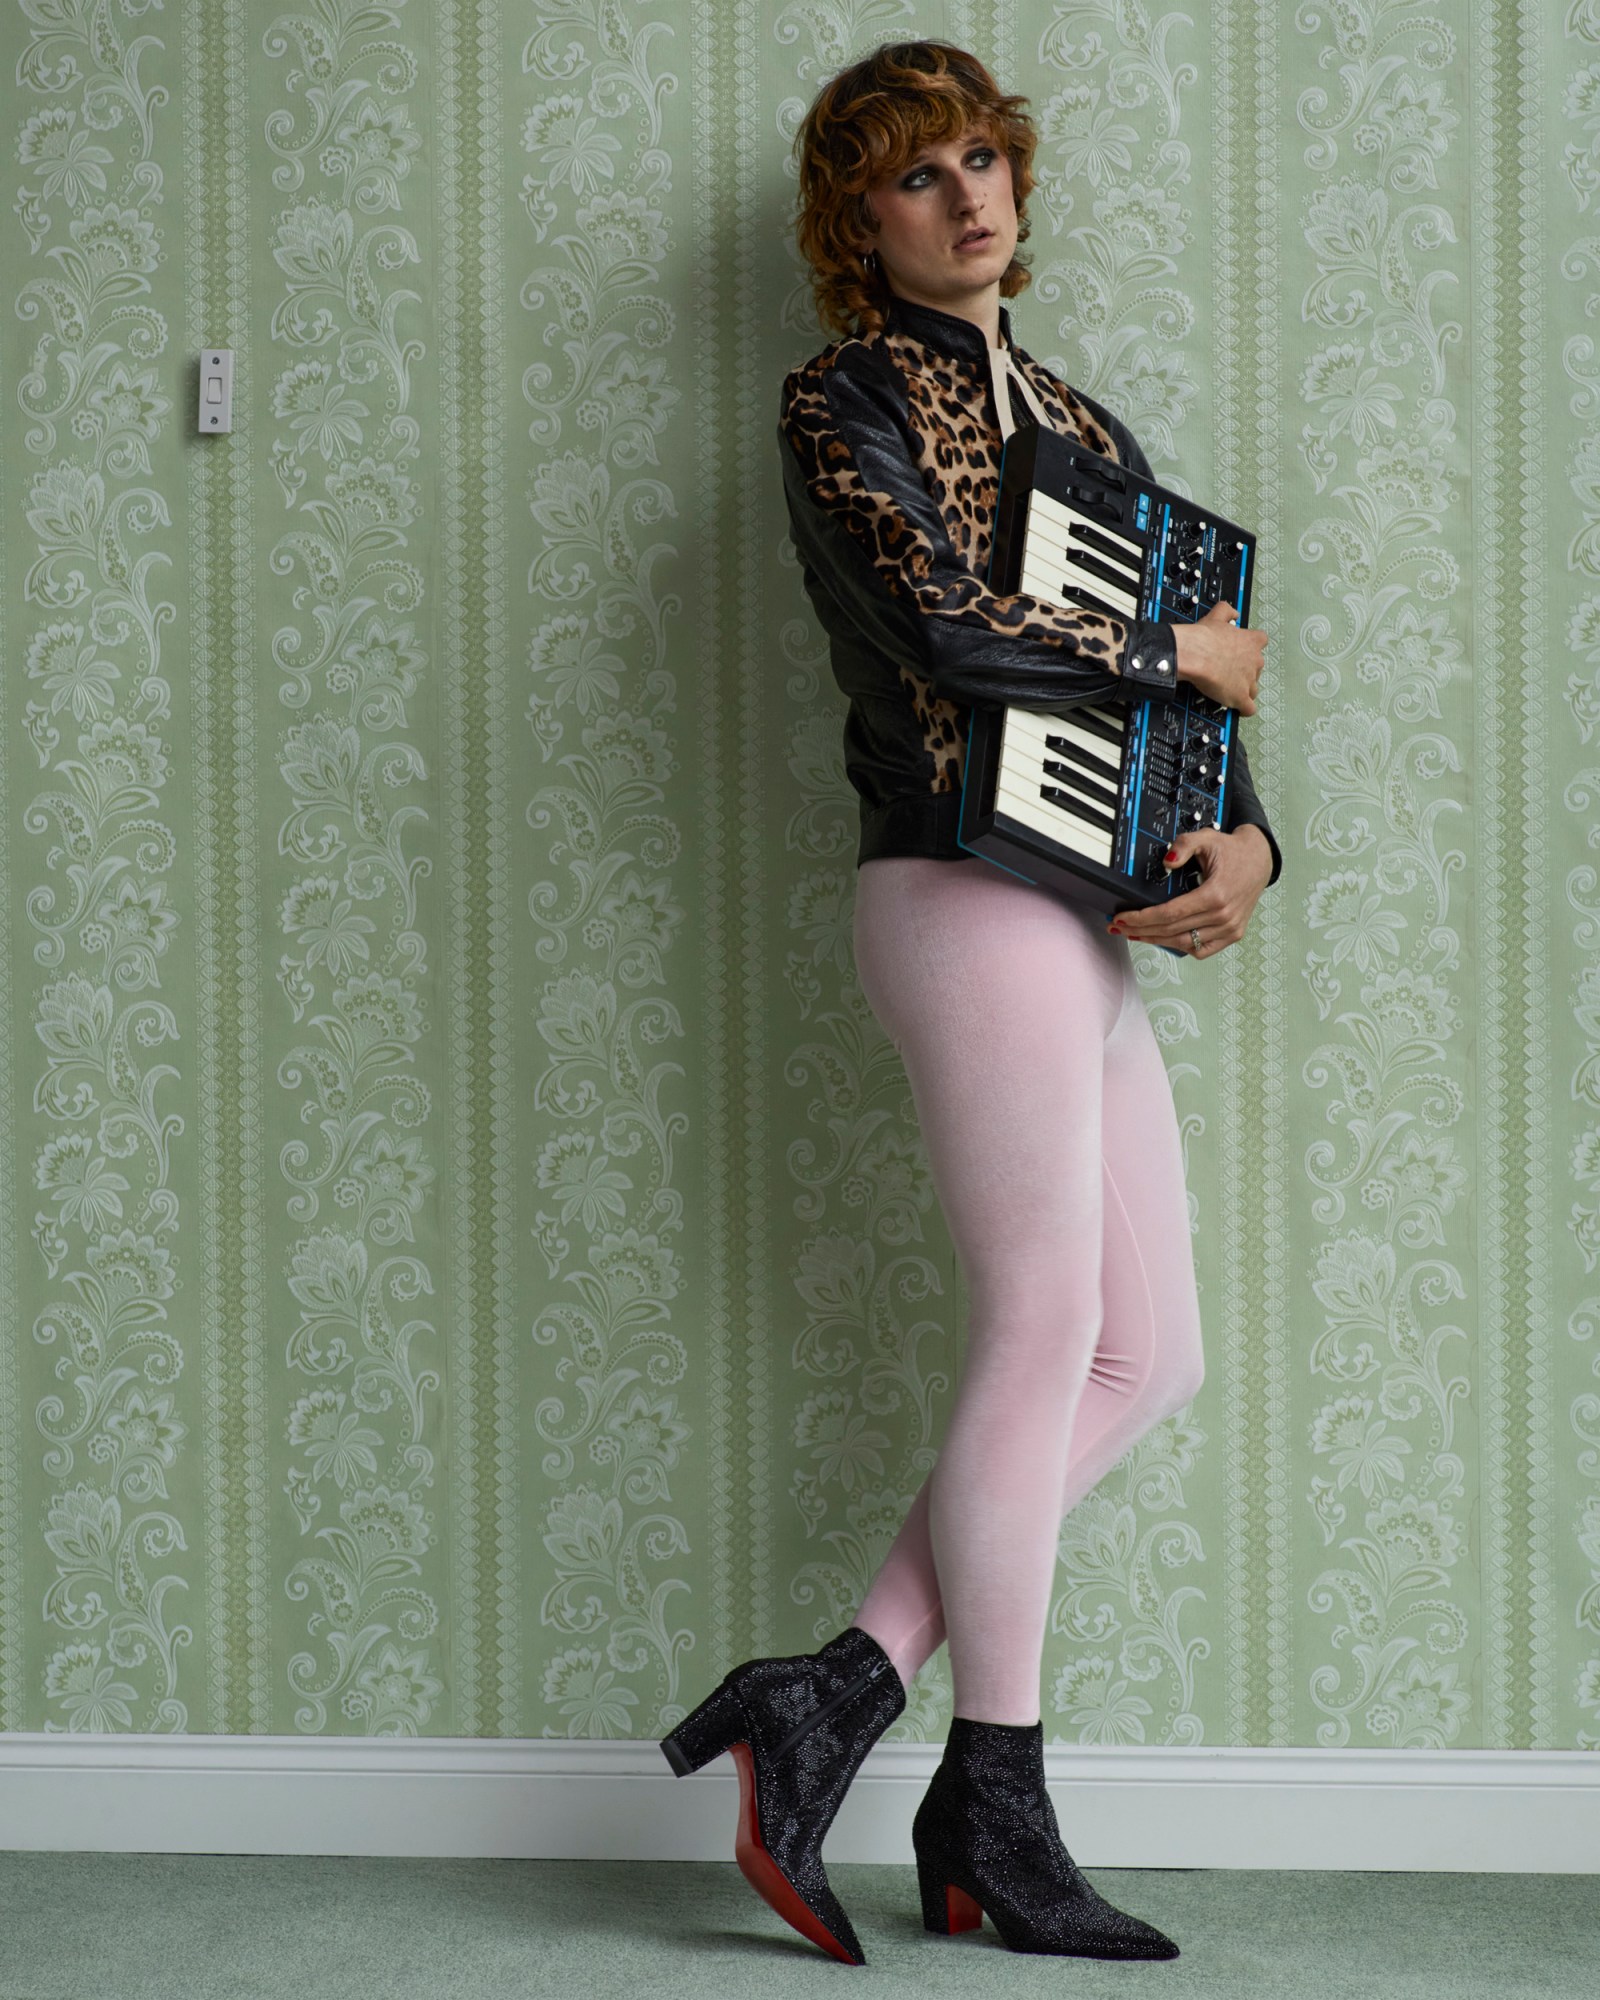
x=1076 y=806
x=1098 y=726
x=1076 y=594
x=1103 y=570
x=1082 y=532
x=1085 y=787
x=1099 y=767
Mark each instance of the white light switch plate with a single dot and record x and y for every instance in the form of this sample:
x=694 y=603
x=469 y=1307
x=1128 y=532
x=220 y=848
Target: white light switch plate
x=216 y=389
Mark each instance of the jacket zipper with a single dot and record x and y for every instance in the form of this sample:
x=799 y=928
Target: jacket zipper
x=803 y=1729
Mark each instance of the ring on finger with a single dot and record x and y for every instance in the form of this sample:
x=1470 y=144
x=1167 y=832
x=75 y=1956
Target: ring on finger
x=1194 y=939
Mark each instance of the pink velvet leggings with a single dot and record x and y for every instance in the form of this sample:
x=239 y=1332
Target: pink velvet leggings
x=1053 y=1142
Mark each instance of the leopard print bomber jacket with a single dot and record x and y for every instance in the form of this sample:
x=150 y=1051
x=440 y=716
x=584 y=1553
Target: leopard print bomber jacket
x=891 y=450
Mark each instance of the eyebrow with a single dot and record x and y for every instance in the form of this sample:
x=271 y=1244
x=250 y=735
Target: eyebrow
x=967 y=144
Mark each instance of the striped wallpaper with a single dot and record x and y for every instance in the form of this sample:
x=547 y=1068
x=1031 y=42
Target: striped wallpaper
x=470 y=1264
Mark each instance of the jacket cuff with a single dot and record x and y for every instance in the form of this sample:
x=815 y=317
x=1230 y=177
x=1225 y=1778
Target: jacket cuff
x=1249 y=819
x=1150 y=660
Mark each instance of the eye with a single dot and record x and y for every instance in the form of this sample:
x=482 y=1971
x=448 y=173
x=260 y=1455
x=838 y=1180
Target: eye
x=985 y=153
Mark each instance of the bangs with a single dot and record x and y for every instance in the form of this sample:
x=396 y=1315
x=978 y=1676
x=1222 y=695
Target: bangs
x=905 y=127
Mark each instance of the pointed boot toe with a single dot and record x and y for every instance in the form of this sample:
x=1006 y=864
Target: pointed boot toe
x=987 y=1844
x=1145 y=1941
x=799 y=1728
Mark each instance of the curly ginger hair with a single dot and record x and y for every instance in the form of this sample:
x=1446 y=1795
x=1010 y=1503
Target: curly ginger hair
x=870 y=121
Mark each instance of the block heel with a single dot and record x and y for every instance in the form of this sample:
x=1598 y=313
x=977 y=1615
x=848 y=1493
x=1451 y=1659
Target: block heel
x=705 y=1732
x=987 y=1845
x=798 y=1727
x=946 y=1909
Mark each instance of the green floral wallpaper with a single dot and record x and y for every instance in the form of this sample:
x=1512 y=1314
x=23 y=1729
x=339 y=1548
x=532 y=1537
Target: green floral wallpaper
x=470 y=1264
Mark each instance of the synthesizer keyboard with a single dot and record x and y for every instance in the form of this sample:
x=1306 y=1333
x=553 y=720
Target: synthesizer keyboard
x=1086 y=800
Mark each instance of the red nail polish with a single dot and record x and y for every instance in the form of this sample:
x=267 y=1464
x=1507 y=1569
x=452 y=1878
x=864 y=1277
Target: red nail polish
x=1171 y=854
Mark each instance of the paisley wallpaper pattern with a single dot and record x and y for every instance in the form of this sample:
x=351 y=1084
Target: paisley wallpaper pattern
x=472 y=1267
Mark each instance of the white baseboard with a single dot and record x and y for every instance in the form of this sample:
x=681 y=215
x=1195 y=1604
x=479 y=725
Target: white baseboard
x=1507 y=1811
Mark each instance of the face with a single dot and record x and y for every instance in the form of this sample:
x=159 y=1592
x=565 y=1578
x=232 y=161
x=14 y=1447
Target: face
x=949 y=189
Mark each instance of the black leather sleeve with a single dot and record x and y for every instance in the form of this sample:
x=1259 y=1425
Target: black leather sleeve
x=850 y=466
x=1244 y=808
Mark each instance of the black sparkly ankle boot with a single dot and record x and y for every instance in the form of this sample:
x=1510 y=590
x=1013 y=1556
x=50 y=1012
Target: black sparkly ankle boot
x=987 y=1842
x=798 y=1728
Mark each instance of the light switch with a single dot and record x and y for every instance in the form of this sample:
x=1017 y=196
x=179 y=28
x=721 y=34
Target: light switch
x=216 y=389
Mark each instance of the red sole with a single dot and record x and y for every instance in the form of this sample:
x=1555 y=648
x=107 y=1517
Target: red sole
x=763 y=1873
x=962 y=1912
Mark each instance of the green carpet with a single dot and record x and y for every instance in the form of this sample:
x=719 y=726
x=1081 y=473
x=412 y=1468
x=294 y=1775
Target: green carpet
x=235 y=1927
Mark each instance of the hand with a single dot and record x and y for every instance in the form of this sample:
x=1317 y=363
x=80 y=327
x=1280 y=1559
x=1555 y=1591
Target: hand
x=1235 y=866
x=1221 y=658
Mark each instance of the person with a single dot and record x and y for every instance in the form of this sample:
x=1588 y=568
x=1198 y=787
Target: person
x=1038 y=1084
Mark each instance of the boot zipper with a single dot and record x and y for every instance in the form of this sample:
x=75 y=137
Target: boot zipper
x=803 y=1729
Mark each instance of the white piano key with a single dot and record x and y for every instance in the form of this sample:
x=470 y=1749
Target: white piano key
x=1098 y=787
x=1084 y=540
x=1027 y=767
x=1108 y=711
x=1031 y=770
x=1054 y=823
x=1029 y=728
x=1021 y=769
x=1023 y=804
x=1068 y=777
x=1064 y=516
x=1098 y=720
x=1043 y=577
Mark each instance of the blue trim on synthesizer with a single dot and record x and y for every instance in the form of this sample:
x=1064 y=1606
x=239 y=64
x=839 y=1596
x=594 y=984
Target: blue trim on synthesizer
x=1225 y=735
x=1128 y=830
x=1154 y=609
x=966 y=772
